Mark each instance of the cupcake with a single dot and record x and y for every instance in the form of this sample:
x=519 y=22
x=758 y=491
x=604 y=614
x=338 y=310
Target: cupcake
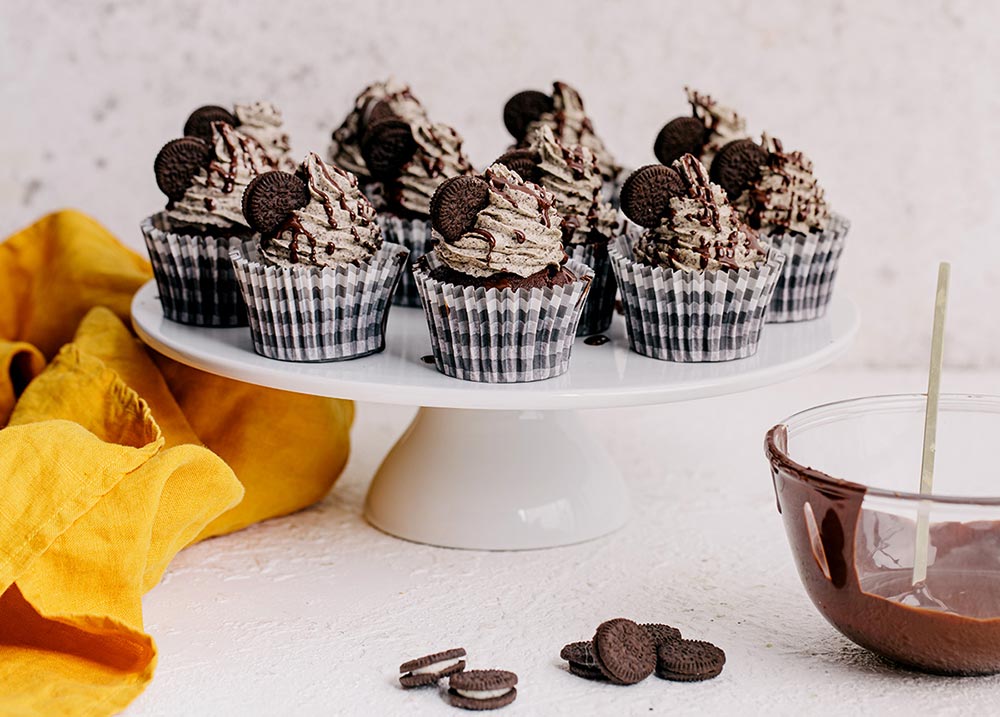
x=563 y=112
x=776 y=193
x=501 y=298
x=317 y=278
x=189 y=242
x=260 y=121
x=571 y=174
x=710 y=127
x=696 y=283
x=410 y=156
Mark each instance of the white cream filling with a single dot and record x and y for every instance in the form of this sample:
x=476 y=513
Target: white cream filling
x=483 y=694
x=436 y=666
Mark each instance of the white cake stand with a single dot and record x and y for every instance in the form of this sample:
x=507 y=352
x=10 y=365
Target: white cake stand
x=498 y=467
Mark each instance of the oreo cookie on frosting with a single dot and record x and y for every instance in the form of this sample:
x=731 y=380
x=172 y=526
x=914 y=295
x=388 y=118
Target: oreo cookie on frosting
x=482 y=689
x=427 y=670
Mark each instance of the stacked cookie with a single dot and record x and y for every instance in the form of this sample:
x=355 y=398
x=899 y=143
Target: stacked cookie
x=470 y=690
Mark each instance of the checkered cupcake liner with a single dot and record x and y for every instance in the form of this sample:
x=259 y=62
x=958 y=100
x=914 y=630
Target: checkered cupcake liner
x=502 y=336
x=806 y=284
x=599 y=308
x=417 y=236
x=675 y=315
x=309 y=313
x=194 y=276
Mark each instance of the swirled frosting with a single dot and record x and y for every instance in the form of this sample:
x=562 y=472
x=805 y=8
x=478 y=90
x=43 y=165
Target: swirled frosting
x=345 y=150
x=336 y=227
x=516 y=233
x=722 y=123
x=701 y=231
x=786 y=195
x=215 y=196
x=262 y=122
x=573 y=177
x=572 y=126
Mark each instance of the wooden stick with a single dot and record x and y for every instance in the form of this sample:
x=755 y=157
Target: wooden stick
x=930 y=425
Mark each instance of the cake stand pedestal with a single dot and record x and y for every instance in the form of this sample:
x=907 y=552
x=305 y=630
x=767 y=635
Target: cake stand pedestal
x=499 y=467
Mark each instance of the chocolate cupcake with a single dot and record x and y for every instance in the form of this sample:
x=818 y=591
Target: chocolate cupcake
x=710 y=127
x=571 y=174
x=189 y=242
x=502 y=300
x=696 y=283
x=260 y=121
x=563 y=112
x=777 y=194
x=317 y=278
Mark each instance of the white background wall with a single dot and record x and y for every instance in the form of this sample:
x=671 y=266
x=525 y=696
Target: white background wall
x=896 y=101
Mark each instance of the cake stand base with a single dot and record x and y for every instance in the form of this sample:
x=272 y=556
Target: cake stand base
x=497 y=480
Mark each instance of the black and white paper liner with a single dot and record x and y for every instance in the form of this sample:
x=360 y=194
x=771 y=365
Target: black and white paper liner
x=599 y=308
x=676 y=315
x=310 y=313
x=194 y=276
x=806 y=283
x=417 y=236
x=502 y=336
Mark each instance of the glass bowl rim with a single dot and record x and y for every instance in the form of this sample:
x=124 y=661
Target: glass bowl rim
x=797 y=469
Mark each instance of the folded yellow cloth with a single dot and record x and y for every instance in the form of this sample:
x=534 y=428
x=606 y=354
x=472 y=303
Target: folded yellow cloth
x=114 y=458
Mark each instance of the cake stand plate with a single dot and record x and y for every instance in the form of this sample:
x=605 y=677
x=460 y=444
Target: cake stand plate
x=499 y=467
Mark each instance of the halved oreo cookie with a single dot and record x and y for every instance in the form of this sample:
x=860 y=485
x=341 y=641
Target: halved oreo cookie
x=177 y=162
x=429 y=669
x=387 y=146
x=524 y=108
x=522 y=161
x=684 y=135
x=661 y=633
x=580 y=657
x=271 y=197
x=455 y=205
x=482 y=689
x=689 y=660
x=199 y=123
x=737 y=165
x=645 y=195
x=378 y=111
x=624 y=652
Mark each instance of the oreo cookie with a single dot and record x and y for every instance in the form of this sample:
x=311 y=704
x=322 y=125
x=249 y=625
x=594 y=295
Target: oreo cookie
x=271 y=197
x=661 y=633
x=737 y=165
x=689 y=661
x=199 y=122
x=455 y=205
x=580 y=657
x=522 y=161
x=524 y=108
x=624 y=652
x=645 y=195
x=482 y=689
x=387 y=146
x=177 y=162
x=429 y=669
x=684 y=135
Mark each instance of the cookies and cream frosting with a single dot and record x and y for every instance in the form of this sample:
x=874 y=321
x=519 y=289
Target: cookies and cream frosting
x=337 y=226
x=786 y=195
x=572 y=126
x=701 y=231
x=262 y=122
x=215 y=195
x=572 y=175
x=517 y=232
x=723 y=123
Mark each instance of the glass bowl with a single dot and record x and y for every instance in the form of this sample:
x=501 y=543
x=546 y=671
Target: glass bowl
x=846 y=477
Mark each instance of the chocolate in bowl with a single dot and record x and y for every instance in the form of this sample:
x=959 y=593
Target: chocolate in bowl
x=844 y=477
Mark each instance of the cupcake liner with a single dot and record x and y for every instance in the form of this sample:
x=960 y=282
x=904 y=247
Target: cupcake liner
x=502 y=336
x=806 y=283
x=416 y=236
x=676 y=315
x=194 y=276
x=310 y=313
x=599 y=308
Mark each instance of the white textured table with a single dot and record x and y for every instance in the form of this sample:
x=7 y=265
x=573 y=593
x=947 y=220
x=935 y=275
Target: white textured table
x=312 y=614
